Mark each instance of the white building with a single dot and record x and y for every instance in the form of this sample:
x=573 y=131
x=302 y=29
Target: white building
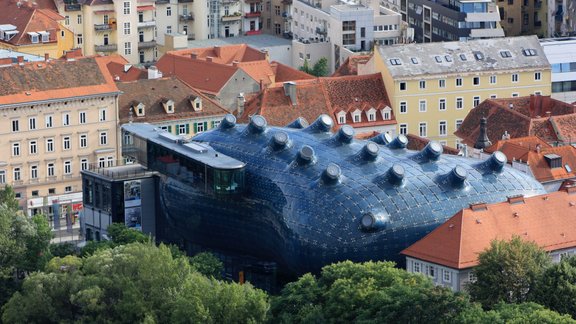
x=561 y=53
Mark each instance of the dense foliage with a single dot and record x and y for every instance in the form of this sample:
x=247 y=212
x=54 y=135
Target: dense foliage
x=319 y=69
x=556 y=288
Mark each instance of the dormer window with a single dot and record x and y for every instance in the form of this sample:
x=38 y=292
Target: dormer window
x=168 y=105
x=387 y=113
x=140 y=112
x=196 y=103
x=45 y=36
x=371 y=114
x=33 y=37
x=341 y=117
x=357 y=116
x=8 y=35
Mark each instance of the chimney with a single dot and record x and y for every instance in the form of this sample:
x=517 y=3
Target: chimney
x=290 y=91
x=518 y=199
x=46 y=57
x=482 y=142
x=20 y=60
x=261 y=84
x=478 y=206
x=208 y=58
x=240 y=101
x=217 y=50
x=154 y=73
x=193 y=56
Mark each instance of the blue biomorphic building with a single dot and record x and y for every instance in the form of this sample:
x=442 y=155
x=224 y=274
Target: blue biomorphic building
x=303 y=197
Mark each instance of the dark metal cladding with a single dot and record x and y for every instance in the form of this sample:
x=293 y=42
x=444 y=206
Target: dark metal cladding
x=400 y=142
x=298 y=123
x=288 y=213
x=229 y=121
x=382 y=139
x=322 y=124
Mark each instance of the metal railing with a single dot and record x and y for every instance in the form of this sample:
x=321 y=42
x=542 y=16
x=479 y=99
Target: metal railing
x=106 y=48
x=148 y=44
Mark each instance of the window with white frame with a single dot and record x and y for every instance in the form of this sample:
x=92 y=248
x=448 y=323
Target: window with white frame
x=342 y=119
x=49 y=121
x=403 y=107
x=476 y=101
x=493 y=96
x=15 y=125
x=168 y=11
x=431 y=271
x=83 y=140
x=515 y=94
x=84 y=164
x=199 y=127
x=442 y=128
x=182 y=129
x=33 y=172
x=168 y=30
x=403 y=129
x=127 y=48
x=371 y=116
x=386 y=114
x=33 y=147
x=127 y=28
x=65 y=119
x=458 y=82
x=357 y=118
x=68 y=189
x=66 y=142
x=67 y=167
x=446 y=275
x=32 y=123
x=472 y=276
x=537 y=76
x=49 y=145
x=422 y=84
x=16 y=175
x=79 y=39
x=515 y=77
x=476 y=81
x=50 y=169
x=416 y=267
x=422 y=105
x=2 y=176
x=110 y=161
x=102 y=114
x=16 y=149
x=79 y=19
x=82 y=117
x=126 y=8
x=441 y=83
x=101 y=162
x=458 y=123
x=103 y=138
x=423 y=129
x=459 y=103
x=442 y=104
x=492 y=79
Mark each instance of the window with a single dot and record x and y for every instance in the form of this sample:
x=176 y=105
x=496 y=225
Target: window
x=103 y=138
x=417 y=267
x=79 y=39
x=515 y=94
x=127 y=48
x=82 y=117
x=422 y=105
x=2 y=176
x=414 y=60
x=403 y=129
x=110 y=161
x=423 y=130
x=67 y=167
x=430 y=270
x=441 y=83
x=50 y=169
x=492 y=79
x=476 y=81
x=49 y=145
x=183 y=129
x=68 y=189
x=51 y=191
x=458 y=82
x=49 y=121
x=102 y=114
x=514 y=77
x=371 y=117
x=529 y=51
x=199 y=127
x=403 y=107
x=422 y=84
x=32 y=123
x=84 y=164
x=395 y=62
x=356 y=118
x=472 y=276
x=16 y=149
x=101 y=162
x=15 y=125
x=438 y=59
x=402 y=86
x=126 y=8
x=505 y=54
x=66 y=119
x=537 y=76
x=67 y=20
x=126 y=28
x=476 y=101
x=168 y=29
x=16 y=174
x=34 y=172
x=34 y=193
x=442 y=104
x=79 y=19
x=442 y=128
x=83 y=141
x=66 y=143
x=168 y=11
x=33 y=147
x=447 y=275
x=459 y=103
x=105 y=19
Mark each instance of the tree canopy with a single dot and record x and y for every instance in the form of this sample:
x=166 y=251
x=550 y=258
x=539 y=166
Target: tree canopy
x=319 y=69
x=508 y=272
x=556 y=288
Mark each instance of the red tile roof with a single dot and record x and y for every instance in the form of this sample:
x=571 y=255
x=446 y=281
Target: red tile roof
x=350 y=66
x=28 y=18
x=225 y=54
x=548 y=220
x=417 y=143
x=550 y=119
x=285 y=73
x=151 y=93
x=56 y=79
x=119 y=72
x=329 y=95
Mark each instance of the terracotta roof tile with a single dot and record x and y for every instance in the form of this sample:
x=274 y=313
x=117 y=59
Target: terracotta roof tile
x=152 y=92
x=350 y=66
x=225 y=54
x=548 y=220
x=117 y=70
x=28 y=18
x=417 y=143
x=286 y=73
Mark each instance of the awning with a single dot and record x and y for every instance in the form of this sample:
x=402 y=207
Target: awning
x=144 y=8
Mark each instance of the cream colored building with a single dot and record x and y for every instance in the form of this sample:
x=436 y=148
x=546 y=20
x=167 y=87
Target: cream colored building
x=57 y=118
x=433 y=86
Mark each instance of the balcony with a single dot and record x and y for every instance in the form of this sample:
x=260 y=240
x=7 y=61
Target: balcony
x=72 y=7
x=106 y=48
x=253 y=32
x=253 y=14
x=146 y=24
x=104 y=27
x=188 y=17
x=162 y=1
x=233 y=17
x=287 y=2
x=144 y=45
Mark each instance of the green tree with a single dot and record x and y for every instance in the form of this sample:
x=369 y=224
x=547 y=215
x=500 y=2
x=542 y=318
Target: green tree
x=306 y=67
x=120 y=234
x=508 y=272
x=319 y=69
x=556 y=288
x=63 y=249
x=207 y=264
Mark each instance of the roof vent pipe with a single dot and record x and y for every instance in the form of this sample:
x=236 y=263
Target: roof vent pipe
x=495 y=162
x=370 y=151
x=432 y=151
x=458 y=176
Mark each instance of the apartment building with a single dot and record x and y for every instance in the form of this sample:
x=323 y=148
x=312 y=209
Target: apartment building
x=523 y=17
x=58 y=117
x=561 y=18
x=450 y=20
x=560 y=54
x=433 y=86
x=34 y=28
x=335 y=28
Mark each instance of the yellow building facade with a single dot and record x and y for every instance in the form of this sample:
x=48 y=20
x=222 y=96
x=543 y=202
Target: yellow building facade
x=433 y=86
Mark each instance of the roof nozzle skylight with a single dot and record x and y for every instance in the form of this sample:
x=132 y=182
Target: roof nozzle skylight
x=306 y=155
x=332 y=174
x=345 y=134
x=280 y=141
x=229 y=121
x=370 y=151
x=257 y=124
x=298 y=123
x=322 y=124
x=395 y=175
x=400 y=142
x=382 y=139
